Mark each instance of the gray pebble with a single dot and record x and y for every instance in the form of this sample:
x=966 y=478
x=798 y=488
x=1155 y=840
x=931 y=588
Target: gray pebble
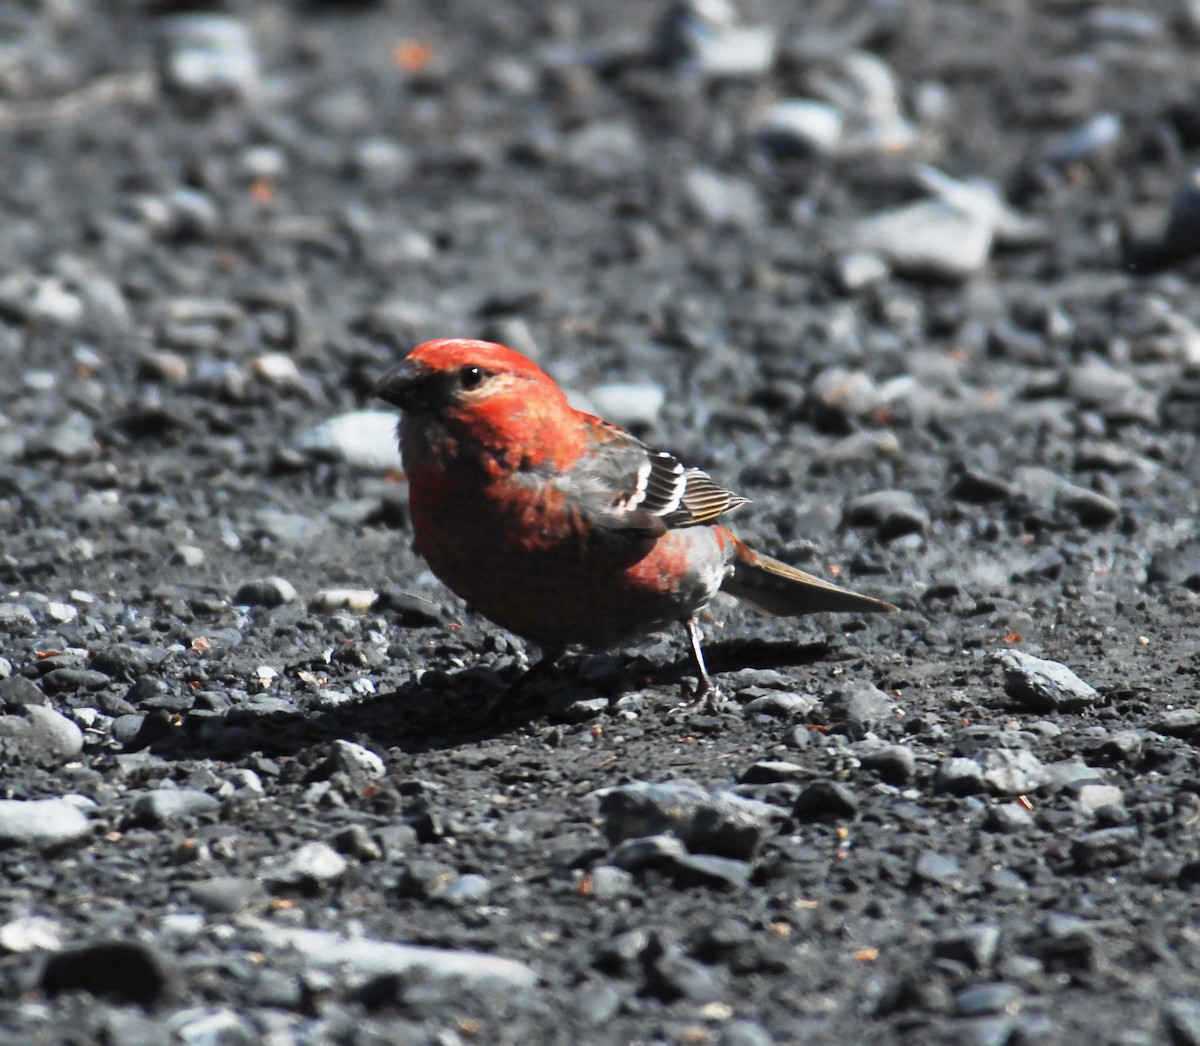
x=357 y=842
x=1091 y=508
x=895 y=764
x=266 y=592
x=1122 y=746
x=861 y=448
x=606 y=149
x=977 y=1000
x=1177 y=722
x=596 y=1001
x=1043 y=686
x=209 y=57
x=780 y=705
x=892 y=513
x=771 y=771
x=721 y=823
x=823 y=800
x=383 y=162
x=1105 y=848
x=1094 y=141
x=609 y=882
x=855 y=271
x=959 y=776
x=632 y=855
x=71 y=680
x=1181 y=236
x=72 y=439
x=622 y=950
x=673 y=975
x=1182 y=1020
x=193 y=216
x=973 y=946
x=568 y=707
x=311 y=866
x=800 y=127
x=1094 y=797
x=867 y=706
x=723 y=200
x=229 y=894
x=46 y=824
x=709 y=870
x=1071 y=774
x=291 y=528
x=125 y=728
x=1013 y=771
x=426 y=878
x=465 y=890
x=1008 y=819
x=744 y=1033
x=18 y=690
x=941 y=869
x=16 y=618
x=163 y=806
x=837 y=395
x=53 y=737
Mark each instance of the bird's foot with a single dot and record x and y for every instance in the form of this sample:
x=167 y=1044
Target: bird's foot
x=707 y=699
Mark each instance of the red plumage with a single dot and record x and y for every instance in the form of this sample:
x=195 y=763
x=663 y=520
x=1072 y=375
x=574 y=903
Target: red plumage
x=561 y=527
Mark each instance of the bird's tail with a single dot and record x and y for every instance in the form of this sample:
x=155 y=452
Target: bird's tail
x=778 y=590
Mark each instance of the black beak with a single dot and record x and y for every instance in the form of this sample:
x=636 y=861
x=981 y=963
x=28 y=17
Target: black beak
x=405 y=386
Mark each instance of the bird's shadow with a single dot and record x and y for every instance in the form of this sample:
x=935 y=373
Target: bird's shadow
x=443 y=710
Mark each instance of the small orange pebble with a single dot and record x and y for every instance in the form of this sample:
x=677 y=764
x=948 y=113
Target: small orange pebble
x=262 y=191
x=413 y=56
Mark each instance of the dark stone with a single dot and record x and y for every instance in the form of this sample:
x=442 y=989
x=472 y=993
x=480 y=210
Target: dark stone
x=826 y=800
x=123 y=971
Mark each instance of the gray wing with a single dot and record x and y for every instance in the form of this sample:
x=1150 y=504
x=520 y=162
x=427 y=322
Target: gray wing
x=624 y=485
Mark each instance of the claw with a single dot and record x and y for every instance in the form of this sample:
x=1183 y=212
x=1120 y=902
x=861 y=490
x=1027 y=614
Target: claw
x=709 y=696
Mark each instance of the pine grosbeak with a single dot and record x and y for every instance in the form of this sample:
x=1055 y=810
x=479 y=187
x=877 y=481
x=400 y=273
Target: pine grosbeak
x=561 y=527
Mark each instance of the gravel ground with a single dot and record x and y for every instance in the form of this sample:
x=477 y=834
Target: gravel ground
x=913 y=275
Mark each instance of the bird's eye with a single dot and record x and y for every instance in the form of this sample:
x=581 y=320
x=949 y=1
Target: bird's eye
x=469 y=377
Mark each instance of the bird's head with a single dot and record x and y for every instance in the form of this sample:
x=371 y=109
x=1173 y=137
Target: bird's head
x=474 y=393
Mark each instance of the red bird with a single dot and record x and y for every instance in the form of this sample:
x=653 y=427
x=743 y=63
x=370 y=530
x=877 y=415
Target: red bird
x=561 y=527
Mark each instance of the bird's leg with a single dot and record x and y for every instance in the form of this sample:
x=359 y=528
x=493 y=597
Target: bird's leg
x=709 y=692
x=514 y=694
x=535 y=672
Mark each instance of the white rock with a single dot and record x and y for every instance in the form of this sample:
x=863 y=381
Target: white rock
x=31 y=933
x=363 y=958
x=947 y=237
x=278 y=369
x=628 y=403
x=354 y=758
x=364 y=438
x=44 y=823
x=312 y=863
x=800 y=126
x=359 y=600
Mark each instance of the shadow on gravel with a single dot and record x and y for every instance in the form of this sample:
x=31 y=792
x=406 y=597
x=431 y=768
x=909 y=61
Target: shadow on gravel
x=446 y=710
